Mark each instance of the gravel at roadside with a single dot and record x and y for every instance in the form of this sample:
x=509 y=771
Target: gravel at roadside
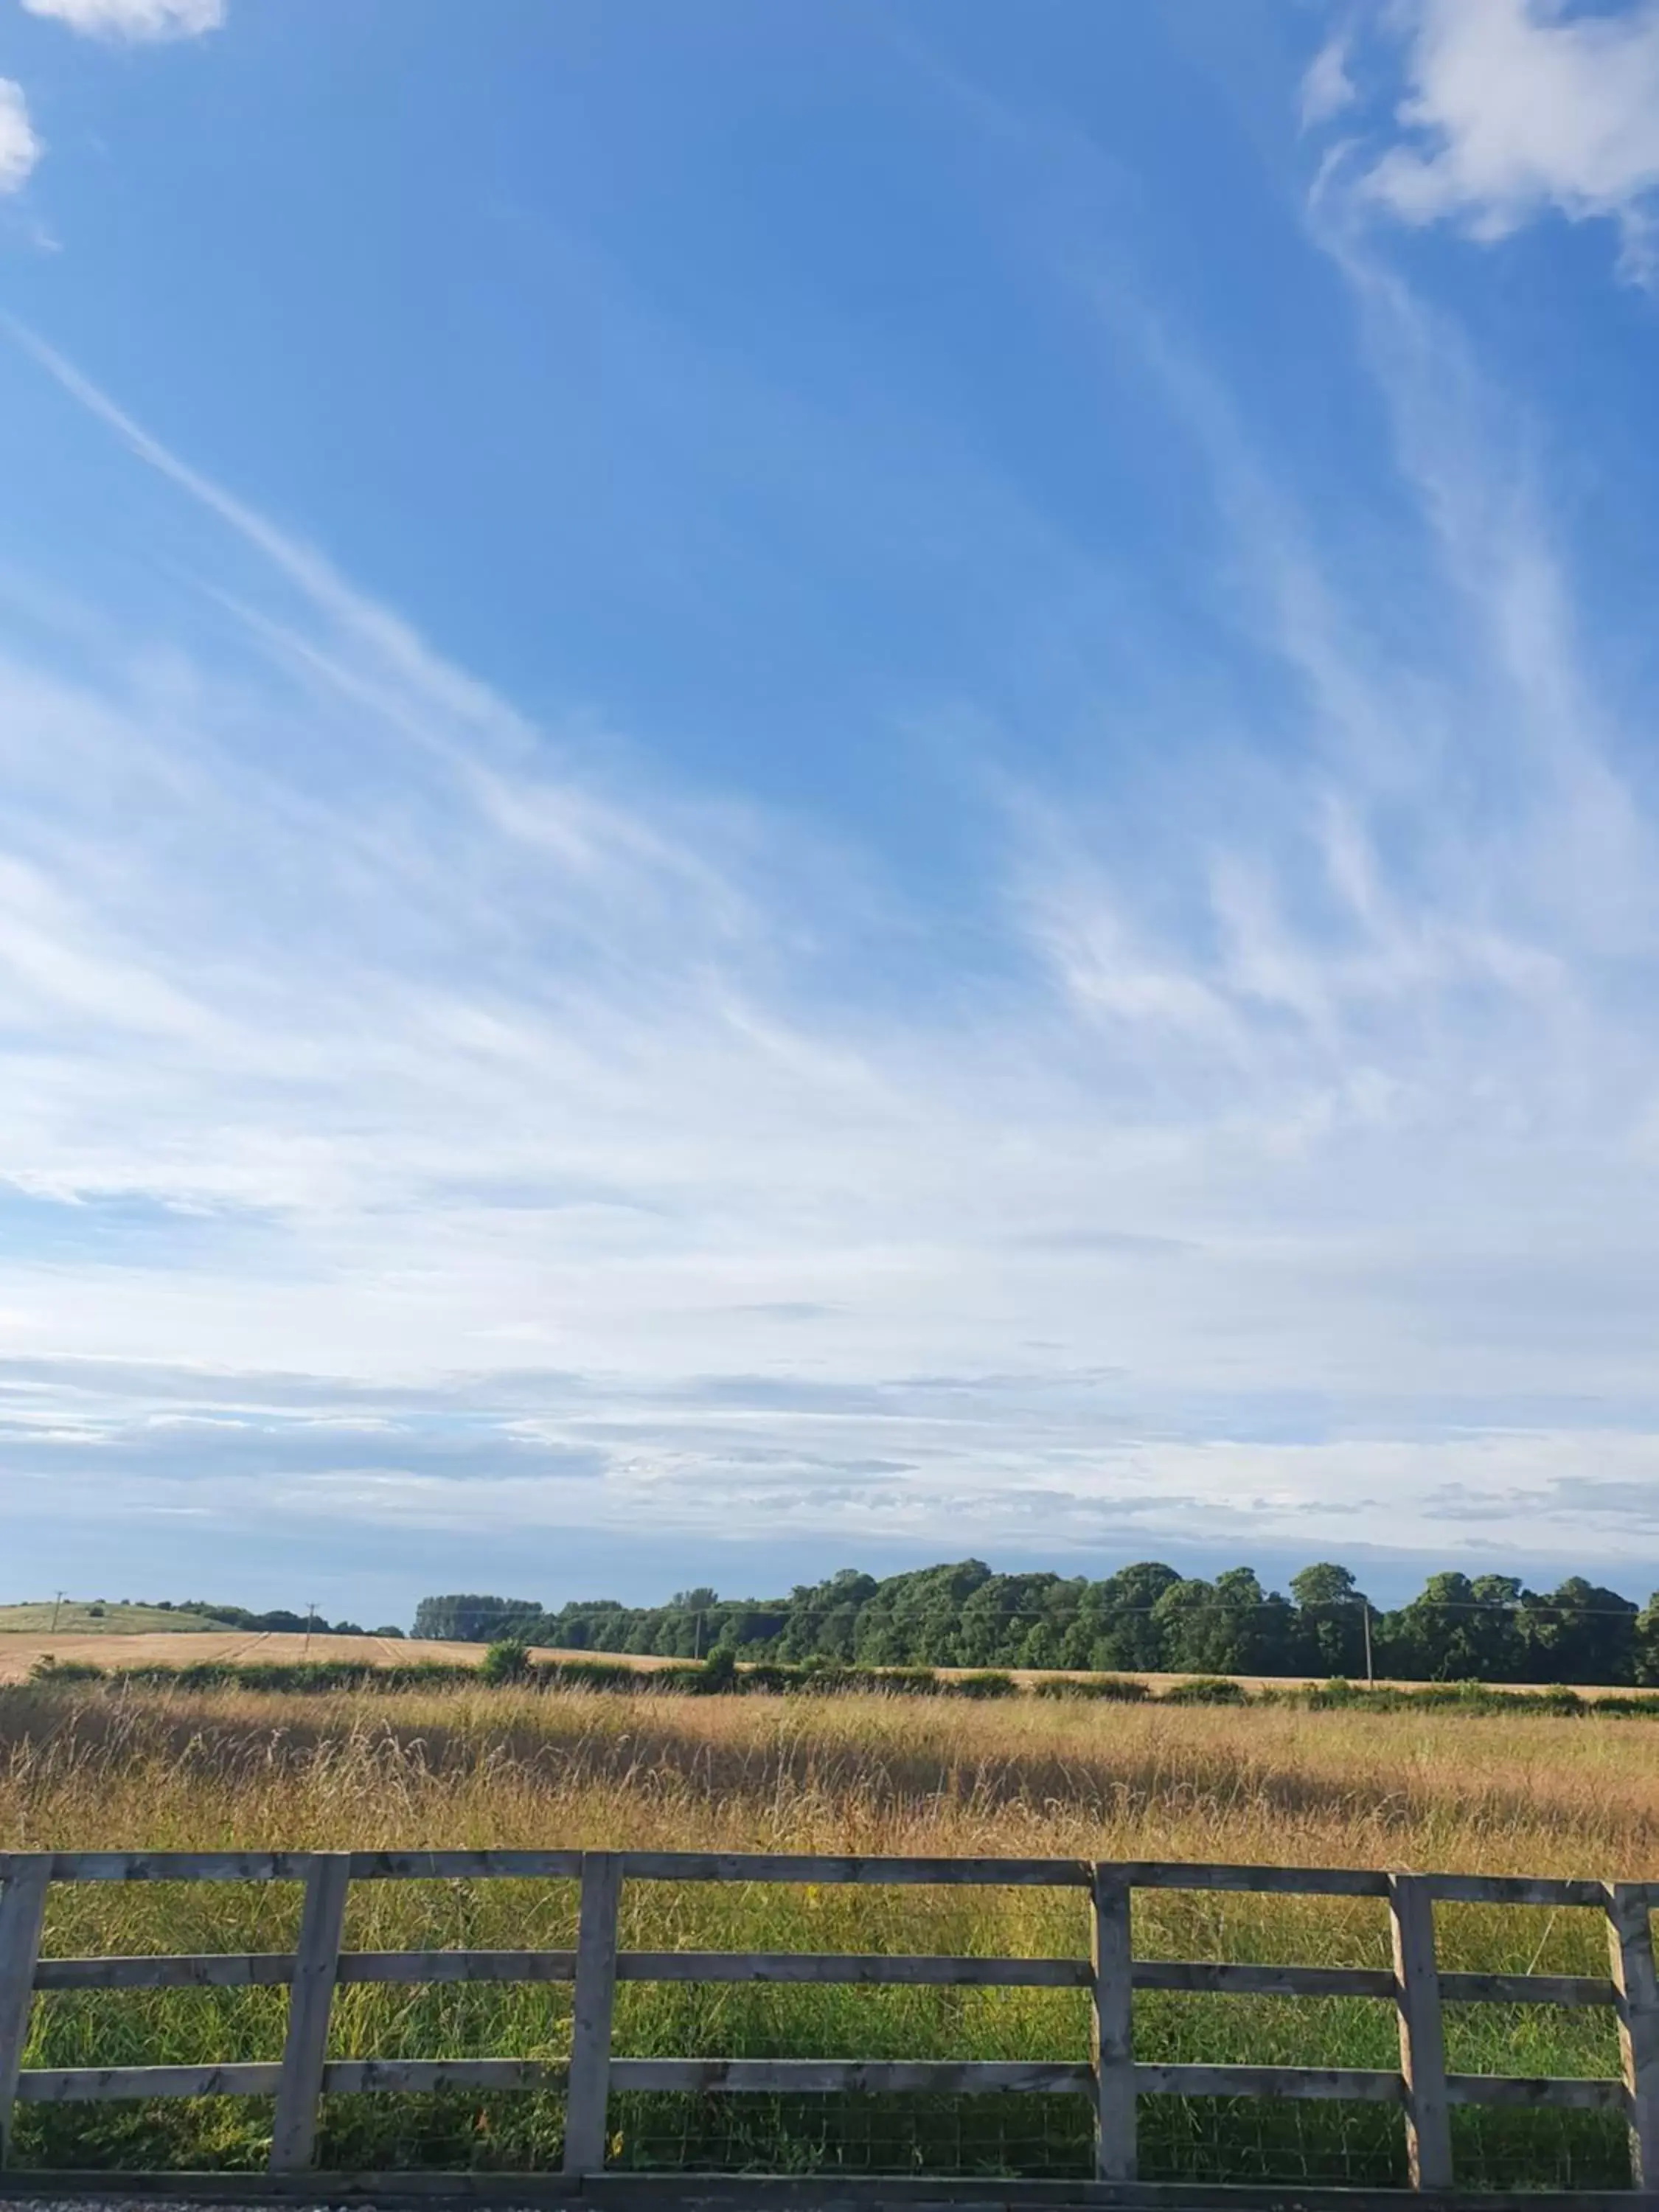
x=113 y=2201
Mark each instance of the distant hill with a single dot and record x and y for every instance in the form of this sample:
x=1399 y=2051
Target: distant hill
x=99 y=1617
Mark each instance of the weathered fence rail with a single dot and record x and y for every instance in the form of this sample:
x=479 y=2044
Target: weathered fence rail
x=1110 y=2074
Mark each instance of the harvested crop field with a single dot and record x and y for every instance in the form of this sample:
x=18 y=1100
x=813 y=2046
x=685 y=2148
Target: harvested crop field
x=96 y=1617
x=459 y=1767
x=21 y=1651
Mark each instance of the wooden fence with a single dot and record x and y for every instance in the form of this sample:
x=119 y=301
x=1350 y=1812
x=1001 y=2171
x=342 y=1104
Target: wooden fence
x=1110 y=2076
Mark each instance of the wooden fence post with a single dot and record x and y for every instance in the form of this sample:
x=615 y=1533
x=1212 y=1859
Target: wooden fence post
x=22 y=1911
x=588 y=2092
x=1630 y=1956
x=1422 y=2031
x=316 y=1965
x=1111 y=2034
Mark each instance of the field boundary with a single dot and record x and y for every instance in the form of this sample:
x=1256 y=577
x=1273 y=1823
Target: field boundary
x=1109 y=2074
x=119 y=1650
x=539 y=2191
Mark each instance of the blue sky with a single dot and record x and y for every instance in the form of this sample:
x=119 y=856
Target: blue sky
x=782 y=786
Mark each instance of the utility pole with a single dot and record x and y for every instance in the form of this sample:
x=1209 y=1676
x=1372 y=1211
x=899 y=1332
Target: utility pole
x=1365 y=1611
x=56 y=1603
x=311 y=1615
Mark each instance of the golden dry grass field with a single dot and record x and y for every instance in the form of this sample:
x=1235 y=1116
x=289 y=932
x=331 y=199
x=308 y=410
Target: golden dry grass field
x=92 y=1766
x=853 y=1772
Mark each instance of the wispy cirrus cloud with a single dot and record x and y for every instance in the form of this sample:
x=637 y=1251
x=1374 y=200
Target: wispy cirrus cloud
x=464 y=1057
x=1327 y=89
x=1328 y=931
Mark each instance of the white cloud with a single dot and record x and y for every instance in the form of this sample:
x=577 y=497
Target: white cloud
x=430 y=1054
x=20 y=148
x=1326 y=87
x=1518 y=106
x=135 y=22
x=986 y=1461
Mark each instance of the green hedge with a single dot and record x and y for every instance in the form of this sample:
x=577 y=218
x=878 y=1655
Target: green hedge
x=1207 y=1690
x=509 y=1665
x=1119 y=1689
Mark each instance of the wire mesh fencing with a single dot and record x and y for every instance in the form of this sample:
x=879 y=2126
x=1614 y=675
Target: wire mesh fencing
x=656 y=2013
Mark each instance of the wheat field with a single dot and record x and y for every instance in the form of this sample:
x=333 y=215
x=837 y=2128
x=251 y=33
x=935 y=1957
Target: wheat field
x=862 y=1774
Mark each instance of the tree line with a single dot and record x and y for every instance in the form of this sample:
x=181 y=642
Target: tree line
x=1146 y=1618
x=282 y=1620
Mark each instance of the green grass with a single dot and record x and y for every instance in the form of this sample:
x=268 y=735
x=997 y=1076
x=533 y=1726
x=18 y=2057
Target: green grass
x=1198 y=2140
x=99 y=1617
x=509 y=1667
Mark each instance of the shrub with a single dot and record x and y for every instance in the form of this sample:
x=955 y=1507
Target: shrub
x=824 y=1677
x=49 y=1669
x=1339 y=1693
x=908 y=1681
x=414 y=1674
x=1207 y=1690
x=986 y=1684
x=288 y=1674
x=1122 y=1689
x=1556 y=1699
x=719 y=1673
x=505 y=1661
x=589 y=1674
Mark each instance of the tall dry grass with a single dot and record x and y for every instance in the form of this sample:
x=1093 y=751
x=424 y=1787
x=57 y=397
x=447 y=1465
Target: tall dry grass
x=856 y=1774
